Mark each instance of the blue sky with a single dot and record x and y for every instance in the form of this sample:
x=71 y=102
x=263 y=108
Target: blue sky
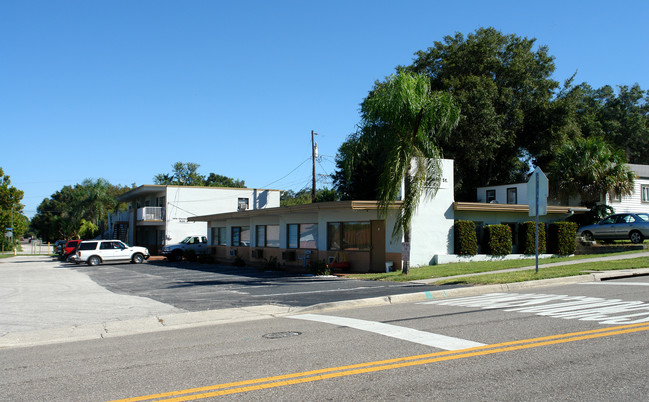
x=123 y=89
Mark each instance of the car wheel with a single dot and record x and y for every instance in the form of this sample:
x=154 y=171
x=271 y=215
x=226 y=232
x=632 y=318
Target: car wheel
x=636 y=237
x=94 y=260
x=588 y=236
x=177 y=256
x=138 y=258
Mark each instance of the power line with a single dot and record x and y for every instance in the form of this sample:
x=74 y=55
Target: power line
x=289 y=173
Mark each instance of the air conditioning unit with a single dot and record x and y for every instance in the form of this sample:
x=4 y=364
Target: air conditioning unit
x=288 y=255
x=242 y=207
x=233 y=252
x=258 y=253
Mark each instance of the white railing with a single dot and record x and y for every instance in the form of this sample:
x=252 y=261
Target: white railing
x=151 y=214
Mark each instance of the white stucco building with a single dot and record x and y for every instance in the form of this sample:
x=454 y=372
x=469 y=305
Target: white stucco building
x=160 y=214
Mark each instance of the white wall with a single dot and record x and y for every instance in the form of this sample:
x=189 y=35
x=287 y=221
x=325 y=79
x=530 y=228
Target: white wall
x=633 y=202
x=501 y=193
x=432 y=224
x=183 y=202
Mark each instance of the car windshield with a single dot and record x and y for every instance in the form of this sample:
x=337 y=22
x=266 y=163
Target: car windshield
x=644 y=217
x=187 y=240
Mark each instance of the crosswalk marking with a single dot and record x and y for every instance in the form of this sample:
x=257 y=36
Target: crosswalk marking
x=585 y=308
x=408 y=334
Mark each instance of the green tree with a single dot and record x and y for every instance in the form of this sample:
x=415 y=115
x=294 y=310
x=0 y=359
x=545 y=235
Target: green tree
x=416 y=119
x=504 y=88
x=217 y=180
x=303 y=196
x=184 y=174
x=10 y=210
x=591 y=168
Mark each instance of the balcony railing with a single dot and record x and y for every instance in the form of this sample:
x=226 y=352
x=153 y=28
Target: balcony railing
x=151 y=214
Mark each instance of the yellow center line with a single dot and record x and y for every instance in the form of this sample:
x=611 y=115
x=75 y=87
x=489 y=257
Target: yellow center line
x=389 y=364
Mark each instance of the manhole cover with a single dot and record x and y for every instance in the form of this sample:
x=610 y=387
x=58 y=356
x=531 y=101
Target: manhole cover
x=276 y=335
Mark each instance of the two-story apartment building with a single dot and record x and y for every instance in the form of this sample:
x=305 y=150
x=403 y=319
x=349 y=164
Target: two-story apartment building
x=159 y=214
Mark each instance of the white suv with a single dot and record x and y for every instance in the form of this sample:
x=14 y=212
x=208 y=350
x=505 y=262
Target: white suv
x=94 y=252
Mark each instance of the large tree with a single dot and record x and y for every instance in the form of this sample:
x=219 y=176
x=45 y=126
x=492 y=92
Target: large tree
x=186 y=174
x=504 y=88
x=10 y=210
x=72 y=211
x=413 y=119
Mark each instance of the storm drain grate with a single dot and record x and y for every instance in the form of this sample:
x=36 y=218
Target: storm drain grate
x=277 y=335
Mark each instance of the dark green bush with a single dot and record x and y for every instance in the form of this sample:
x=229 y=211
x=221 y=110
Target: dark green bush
x=526 y=237
x=320 y=268
x=562 y=238
x=498 y=240
x=271 y=263
x=205 y=258
x=190 y=255
x=466 y=241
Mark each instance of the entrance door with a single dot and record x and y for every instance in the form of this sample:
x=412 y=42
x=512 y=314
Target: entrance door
x=377 y=253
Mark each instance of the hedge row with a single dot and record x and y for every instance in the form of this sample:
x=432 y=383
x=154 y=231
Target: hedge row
x=497 y=239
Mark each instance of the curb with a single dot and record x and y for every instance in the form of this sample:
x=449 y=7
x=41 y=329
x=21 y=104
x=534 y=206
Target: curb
x=169 y=322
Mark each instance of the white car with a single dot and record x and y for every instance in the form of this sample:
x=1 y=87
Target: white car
x=94 y=252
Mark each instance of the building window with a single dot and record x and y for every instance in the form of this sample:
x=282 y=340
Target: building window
x=349 y=236
x=302 y=235
x=645 y=193
x=240 y=236
x=218 y=236
x=491 y=195
x=243 y=204
x=260 y=236
x=512 y=197
x=272 y=235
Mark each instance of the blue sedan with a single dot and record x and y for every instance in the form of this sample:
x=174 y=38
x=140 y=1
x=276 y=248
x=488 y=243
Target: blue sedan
x=632 y=226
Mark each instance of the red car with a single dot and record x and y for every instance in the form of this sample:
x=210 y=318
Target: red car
x=69 y=249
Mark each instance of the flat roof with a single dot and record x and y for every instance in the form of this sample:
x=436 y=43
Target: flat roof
x=489 y=207
x=341 y=205
x=148 y=189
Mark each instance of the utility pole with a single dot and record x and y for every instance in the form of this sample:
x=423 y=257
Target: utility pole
x=314 y=154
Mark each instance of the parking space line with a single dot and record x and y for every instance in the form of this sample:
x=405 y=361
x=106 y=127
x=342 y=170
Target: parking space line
x=407 y=334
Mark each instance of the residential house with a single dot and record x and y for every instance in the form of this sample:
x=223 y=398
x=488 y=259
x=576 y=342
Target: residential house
x=355 y=231
x=638 y=201
x=159 y=214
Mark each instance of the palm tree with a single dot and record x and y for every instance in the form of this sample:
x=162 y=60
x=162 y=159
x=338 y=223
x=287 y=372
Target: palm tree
x=591 y=168
x=415 y=118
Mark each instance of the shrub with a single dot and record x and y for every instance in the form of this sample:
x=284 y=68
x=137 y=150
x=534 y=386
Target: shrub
x=498 y=239
x=271 y=263
x=239 y=262
x=562 y=238
x=526 y=238
x=466 y=241
x=205 y=258
x=190 y=255
x=320 y=268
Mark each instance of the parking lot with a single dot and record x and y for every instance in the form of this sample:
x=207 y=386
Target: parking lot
x=40 y=292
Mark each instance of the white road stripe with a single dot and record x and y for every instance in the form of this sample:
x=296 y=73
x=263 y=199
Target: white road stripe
x=394 y=331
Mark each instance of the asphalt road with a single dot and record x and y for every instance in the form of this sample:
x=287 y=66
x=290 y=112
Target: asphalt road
x=574 y=342
x=198 y=287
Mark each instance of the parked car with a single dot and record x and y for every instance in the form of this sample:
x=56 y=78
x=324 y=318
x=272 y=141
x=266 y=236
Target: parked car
x=58 y=247
x=69 y=250
x=175 y=252
x=632 y=226
x=94 y=252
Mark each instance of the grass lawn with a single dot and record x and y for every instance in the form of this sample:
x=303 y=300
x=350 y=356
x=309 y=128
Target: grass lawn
x=462 y=268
